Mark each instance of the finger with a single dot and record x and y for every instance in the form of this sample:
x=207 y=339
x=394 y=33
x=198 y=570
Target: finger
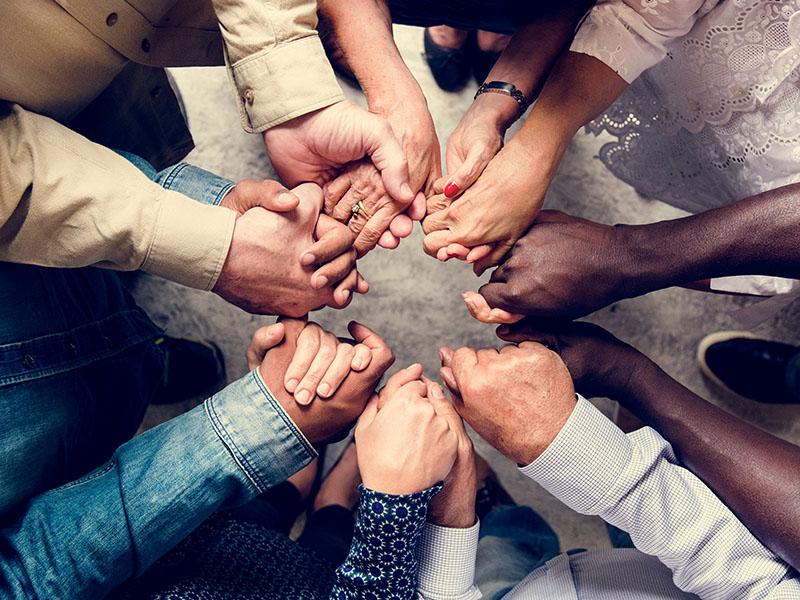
x=457 y=251
x=382 y=355
x=333 y=191
x=553 y=216
x=307 y=388
x=306 y=350
x=333 y=239
x=478 y=252
x=437 y=399
x=388 y=157
x=388 y=240
x=340 y=268
x=416 y=388
x=338 y=370
x=369 y=414
x=493 y=258
x=267 y=193
x=446 y=373
x=401 y=226
x=436 y=240
x=379 y=222
x=494 y=294
x=263 y=339
x=435 y=204
x=416 y=211
x=362 y=356
x=468 y=172
x=438 y=185
x=463 y=363
x=480 y=310
x=362 y=285
x=308 y=210
x=343 y=294
x=399 y=379
x=343 y=211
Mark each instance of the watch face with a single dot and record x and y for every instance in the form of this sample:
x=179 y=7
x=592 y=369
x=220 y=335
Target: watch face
x=501 y=85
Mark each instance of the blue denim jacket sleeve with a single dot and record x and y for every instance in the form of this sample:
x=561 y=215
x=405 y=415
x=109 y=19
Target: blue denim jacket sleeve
x=197 y=183
x=85 y=538
x=382 y=562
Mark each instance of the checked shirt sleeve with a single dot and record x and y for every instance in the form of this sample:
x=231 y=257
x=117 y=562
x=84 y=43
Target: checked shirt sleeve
x=382 y=563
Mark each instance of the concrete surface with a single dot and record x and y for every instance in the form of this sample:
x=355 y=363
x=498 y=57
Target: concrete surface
x=415 y=302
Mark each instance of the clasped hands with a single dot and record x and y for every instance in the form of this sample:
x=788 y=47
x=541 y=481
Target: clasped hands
x=409 y=436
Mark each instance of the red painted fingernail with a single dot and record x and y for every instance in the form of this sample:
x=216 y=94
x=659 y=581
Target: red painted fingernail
x=451 y=189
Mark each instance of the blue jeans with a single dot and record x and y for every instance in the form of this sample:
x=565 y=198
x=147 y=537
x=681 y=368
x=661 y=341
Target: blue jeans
x=77 y=368
x=514 y=541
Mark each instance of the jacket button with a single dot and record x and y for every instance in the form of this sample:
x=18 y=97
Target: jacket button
x=111 y=19
x=146 y=45
x=249 y=96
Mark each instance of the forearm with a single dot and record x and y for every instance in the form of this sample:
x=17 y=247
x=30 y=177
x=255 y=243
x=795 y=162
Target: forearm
x=67 y=202
x=362 y=30
x=755 y=236
x=530 y=54
x=633 y=482
x=754 y=473
x=85 y=538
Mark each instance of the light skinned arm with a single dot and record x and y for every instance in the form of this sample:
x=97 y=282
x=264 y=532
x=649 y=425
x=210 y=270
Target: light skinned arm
x=67 y=202
x=750 y=470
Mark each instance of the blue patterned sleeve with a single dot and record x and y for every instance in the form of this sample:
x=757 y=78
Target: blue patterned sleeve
x=382 y=563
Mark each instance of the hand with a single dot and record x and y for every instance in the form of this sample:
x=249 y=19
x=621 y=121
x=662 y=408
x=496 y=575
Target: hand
x=287 y=262
x=565 y=267
x=323 y=421
x=599 y=363
x=496 y=210
x=454 y=506
x=314 y=146
x=403 y=445
x=517 y=399
x=320 y=364
x=391 y=220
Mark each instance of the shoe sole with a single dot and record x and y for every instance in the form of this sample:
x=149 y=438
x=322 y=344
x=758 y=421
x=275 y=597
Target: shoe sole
x=716 y=338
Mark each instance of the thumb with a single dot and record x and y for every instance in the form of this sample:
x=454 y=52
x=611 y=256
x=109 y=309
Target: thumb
x=266 y=193
x=387 y=156
x=467 y=172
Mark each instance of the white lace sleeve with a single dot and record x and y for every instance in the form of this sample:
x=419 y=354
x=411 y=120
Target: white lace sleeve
x=631 y=36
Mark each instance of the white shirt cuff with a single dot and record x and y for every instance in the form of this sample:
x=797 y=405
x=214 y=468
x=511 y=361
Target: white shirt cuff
x=584 y=461
x=447 y=563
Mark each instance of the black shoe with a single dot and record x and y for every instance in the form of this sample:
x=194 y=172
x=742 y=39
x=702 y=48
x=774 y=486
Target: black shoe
x=482 y=63
x=748 y=366
x=192 y=369
x=449 y=66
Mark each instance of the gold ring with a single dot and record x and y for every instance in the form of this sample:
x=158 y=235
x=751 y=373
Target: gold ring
x=360 y=209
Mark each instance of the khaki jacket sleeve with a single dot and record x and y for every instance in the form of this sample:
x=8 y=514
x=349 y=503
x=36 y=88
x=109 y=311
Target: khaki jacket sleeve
x=276 y=60
x=67 y=202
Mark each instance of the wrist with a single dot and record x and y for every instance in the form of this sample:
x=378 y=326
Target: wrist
x=453 y=516
x=398 y=93
x=499 y=110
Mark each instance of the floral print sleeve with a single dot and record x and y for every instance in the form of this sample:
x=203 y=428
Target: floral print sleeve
x=382 y=564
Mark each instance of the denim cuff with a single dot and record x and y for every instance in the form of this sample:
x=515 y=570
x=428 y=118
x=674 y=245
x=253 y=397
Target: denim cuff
x=263 y=440
x=199 y=184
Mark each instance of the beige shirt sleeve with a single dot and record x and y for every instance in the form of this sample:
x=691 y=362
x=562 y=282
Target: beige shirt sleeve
x=67 y=202
x=276 y=60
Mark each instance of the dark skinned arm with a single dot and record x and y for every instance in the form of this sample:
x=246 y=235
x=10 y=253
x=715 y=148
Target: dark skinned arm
x=569 y=267
x=751 y=471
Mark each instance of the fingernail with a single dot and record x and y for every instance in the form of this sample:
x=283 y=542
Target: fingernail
x=405 y=189
x=292 y=384
x=436 y=391
x=302 y=397
x=345 y=294
x=285 y=198
x=451 y=189
x=320 y=282
x=308 y=259
x=357 y=364
x=324 y=389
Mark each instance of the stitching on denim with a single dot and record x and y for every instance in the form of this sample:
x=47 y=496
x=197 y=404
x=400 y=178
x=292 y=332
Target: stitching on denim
x=90 y=477
x=232 y=449
x=173 y=174
x=223 y=192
